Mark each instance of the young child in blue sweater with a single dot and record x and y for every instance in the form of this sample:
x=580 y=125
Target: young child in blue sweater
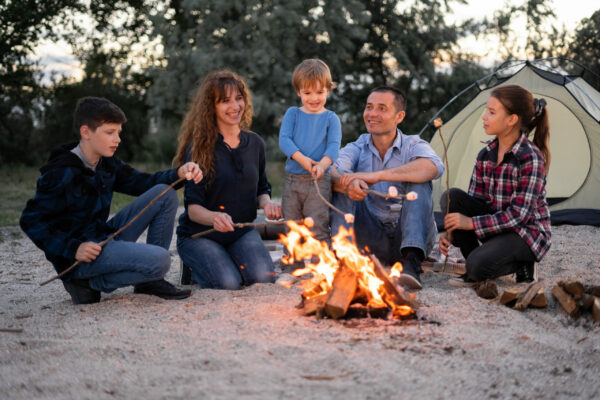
x=310 y=136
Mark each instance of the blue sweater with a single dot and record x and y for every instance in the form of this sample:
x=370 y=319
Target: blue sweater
x=314 y=135
x=72 y=203
x=239 y=179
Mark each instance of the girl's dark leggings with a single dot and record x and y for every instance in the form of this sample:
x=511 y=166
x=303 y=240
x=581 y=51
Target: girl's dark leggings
x=498 y=255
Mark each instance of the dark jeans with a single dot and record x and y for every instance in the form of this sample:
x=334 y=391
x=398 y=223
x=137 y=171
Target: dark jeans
x=496 y=256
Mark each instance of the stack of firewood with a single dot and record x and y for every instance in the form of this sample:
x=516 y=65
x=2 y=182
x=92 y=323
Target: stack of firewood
x=524 y=295
x=578 y=300
x=347 y=299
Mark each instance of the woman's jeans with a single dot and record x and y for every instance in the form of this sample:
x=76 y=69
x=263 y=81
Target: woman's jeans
x=122 y=261
x=498 y=255
x=243 y=262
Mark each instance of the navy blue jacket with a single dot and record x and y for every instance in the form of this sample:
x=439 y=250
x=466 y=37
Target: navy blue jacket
x=239 y=178
x=72 y=203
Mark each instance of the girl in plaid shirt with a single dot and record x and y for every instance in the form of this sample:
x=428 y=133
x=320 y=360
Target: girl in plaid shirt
x=502 y=225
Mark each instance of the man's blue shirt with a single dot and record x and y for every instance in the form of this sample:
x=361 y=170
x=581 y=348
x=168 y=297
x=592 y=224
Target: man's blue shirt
x=362 y=156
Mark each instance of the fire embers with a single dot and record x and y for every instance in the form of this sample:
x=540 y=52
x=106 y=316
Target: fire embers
x=341 y=278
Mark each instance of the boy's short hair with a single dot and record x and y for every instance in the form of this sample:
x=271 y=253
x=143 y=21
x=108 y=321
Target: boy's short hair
x=311 y=71
x=399 y=97
x=95 y=111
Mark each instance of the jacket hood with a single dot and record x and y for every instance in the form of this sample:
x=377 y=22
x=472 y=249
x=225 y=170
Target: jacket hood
x=61 y=156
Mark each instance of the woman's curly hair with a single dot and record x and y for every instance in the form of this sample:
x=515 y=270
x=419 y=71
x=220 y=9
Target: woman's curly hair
x=199 y=130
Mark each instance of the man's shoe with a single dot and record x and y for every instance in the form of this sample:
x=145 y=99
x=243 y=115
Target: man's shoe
x=527 y=273
x=409 y=278
x=81 y=292
x=185 y=274
x=162 y=289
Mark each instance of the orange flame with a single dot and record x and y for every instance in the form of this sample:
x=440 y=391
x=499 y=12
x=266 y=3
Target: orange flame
x=323 y=262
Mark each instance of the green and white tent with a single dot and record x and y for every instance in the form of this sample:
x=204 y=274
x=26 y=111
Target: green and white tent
x=573 y=183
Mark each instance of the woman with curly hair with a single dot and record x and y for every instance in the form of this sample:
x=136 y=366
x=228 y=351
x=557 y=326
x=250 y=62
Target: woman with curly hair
x=216 y=135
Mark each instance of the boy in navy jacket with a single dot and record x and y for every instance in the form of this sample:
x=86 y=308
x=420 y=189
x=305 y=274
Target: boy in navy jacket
x=68 y=216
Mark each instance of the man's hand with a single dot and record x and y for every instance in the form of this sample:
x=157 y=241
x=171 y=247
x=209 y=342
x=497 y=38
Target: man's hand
x=455 y=221
x=88 y=251
x=444 y=244
x=272 y=211
x=222 y=222
x=191 y=171
x=356 y=190
x=368 y=177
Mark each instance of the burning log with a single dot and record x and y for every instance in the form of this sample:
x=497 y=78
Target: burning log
x=342 y=292
x=395 y=293
x=315 y=305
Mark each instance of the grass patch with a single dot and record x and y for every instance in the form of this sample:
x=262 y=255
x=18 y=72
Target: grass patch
x=18 y=186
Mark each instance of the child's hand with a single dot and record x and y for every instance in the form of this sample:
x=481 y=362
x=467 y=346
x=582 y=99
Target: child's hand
x=317 y=171
x=191 y=171
x=88 y=251
x=306 y=162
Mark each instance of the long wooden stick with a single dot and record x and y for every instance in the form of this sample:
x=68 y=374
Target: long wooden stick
x=334 y=208
x=408 y=196
x=438 y=123
x=102 y=243
x=240 y=225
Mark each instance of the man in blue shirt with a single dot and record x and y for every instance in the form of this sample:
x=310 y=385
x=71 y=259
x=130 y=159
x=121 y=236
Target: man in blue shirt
x=392 y=229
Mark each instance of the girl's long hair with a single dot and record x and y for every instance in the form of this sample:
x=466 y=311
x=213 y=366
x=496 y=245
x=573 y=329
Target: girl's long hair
x=518 y=100
x=199 y=130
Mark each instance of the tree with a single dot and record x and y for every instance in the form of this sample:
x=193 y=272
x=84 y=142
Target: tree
x=585 y=46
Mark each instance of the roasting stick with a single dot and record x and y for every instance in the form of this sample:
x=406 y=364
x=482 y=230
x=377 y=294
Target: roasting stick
x=242 y=225
x=102 y=243
x=393 y=194
x=438 y=124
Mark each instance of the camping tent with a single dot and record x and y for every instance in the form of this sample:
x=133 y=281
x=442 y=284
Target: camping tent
x=573 y=182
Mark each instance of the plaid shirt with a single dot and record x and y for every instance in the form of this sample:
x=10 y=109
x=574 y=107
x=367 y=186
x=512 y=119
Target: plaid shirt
x=72 y=203
x=515 y=189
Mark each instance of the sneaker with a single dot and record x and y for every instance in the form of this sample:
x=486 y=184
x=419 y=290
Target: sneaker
x=527 y=273
x=409 y=278
x=81 y=292
x=185 y=274
x=162 y=289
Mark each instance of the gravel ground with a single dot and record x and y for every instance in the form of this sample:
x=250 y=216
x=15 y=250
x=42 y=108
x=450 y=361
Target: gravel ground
x=254 y=343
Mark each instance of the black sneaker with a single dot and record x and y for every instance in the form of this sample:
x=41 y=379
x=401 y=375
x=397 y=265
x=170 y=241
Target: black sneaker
x=162 y=289
x=526 y=273
x=185 y=274
x=81 y=292
x=409 y=278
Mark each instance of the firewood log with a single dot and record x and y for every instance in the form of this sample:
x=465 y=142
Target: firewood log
x=574 y=288
x=512 y=293
x=539 y=301
x=314 y=304
x=394 y=294
x=593 y=290
x=596 y=309
x=526 y=298
x=566 y=301
x=341 y=293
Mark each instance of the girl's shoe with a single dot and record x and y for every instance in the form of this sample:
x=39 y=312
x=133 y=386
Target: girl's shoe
x=527 y=273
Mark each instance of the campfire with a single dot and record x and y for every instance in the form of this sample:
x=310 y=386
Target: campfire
x=342 y=280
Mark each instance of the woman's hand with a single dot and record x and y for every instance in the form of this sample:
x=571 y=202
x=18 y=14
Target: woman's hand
x=272 y=211
x=222 y=222
x=191 y=171
x=444 y=244
x=455 y=221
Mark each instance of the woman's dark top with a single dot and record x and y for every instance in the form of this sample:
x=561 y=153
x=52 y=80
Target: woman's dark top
x=238 y=180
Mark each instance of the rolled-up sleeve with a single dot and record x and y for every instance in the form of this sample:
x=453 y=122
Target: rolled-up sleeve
x=422 y=149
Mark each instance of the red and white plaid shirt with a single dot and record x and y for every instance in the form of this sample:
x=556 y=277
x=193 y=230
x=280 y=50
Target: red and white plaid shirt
x=516 y=189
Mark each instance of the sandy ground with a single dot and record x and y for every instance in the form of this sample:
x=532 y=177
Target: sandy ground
x=255 y=344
